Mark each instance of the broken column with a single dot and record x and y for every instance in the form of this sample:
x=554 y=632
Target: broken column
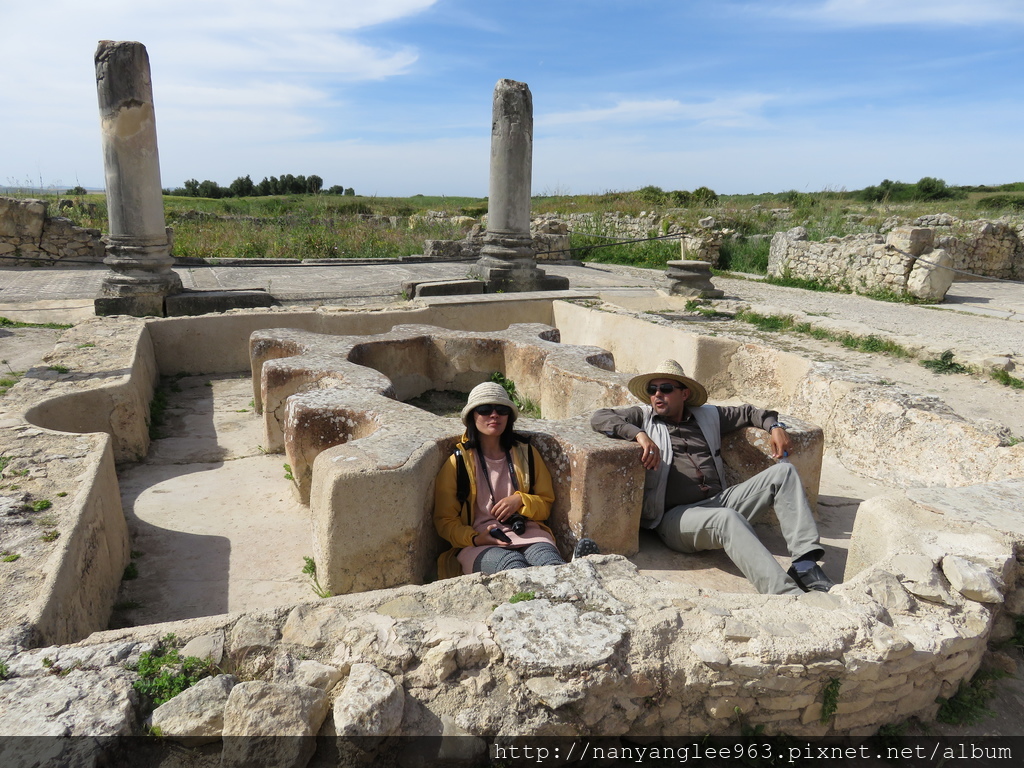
x=506 y=259
x=138 y=252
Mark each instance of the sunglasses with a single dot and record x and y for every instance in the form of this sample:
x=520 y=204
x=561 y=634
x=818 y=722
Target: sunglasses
x=665 y=389
x=487 y=410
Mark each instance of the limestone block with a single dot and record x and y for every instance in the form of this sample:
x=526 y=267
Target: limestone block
x=80 y=703
x=889 y=592
x=370 y=705
x=711 y=655
x=195 y=716
x=22 y=219
x=311 y=673
x=931 y=276
x=266 y=724
x=972 y=580
x=911 y=240
x=205 y=647
x=250 y=635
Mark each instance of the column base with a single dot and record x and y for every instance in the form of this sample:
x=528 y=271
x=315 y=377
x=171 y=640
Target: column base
x=515 y=276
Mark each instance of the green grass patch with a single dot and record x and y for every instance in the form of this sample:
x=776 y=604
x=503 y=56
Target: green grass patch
x=39 y=505
x=968 y=706
x=785 y=323
x=526 y=406
x=50 y=536
x=164 y=673
x=8 y=323
x=131 y=572
x=521 y=597
x=1004 y=378
x=743 y=255
x=8 y=557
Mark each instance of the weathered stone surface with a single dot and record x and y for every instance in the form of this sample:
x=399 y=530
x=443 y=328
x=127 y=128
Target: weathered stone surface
x=196 y=715
x=80 y=703
x=249 y=635
x=931 y=276
x=209 y=647
x=266 y=724
x=919 y=576
x=972 y=580
x=541 y=635
x=370 y=704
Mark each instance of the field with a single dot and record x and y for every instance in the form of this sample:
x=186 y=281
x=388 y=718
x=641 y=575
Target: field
x=331 y=226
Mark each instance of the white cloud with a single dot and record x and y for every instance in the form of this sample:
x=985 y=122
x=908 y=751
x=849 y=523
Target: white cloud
x=741 y=110
x=920 y=12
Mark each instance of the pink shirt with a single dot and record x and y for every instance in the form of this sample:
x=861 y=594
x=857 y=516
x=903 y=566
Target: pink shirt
x=498 y=475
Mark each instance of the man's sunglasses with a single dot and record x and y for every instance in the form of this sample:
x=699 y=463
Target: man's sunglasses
x=487 y=410
x=665 y=389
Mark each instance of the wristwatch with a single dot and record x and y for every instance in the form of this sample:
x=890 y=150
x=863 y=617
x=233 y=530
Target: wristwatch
x=776 y=424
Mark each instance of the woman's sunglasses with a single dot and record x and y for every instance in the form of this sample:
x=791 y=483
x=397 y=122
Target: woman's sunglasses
x=487 y=410
x=665 y=389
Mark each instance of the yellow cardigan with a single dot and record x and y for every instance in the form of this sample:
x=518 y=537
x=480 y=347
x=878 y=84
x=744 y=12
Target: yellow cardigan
x=455 y=522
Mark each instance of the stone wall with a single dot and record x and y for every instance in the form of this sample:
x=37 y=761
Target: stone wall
x=904 y=261
x=897 y=261
x=29 y=237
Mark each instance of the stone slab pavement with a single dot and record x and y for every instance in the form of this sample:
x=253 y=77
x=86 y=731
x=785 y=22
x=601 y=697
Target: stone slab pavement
x=65 y=295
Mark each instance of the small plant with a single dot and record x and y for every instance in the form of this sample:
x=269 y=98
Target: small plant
x=131 y=572
x=58 y=368
x=61 y=494
x=4 y=671
x=40 y=504
x=968 y=705
x=1004 y=378
x=288 y=472
x=8 y=557
x=830 y=699
x=520 y=597
x=50 y=536
x=164 y=673
x=310 y=570
x=47 y=662
x=526 y=406
x=944 y=364
x=86 y=345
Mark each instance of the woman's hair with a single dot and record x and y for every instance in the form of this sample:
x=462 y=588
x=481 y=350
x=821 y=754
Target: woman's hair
x=507 y=439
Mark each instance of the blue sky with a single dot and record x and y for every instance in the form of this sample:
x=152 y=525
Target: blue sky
x=393 y=97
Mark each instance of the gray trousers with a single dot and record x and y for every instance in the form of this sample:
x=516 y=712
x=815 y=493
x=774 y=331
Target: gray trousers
x=724 y=522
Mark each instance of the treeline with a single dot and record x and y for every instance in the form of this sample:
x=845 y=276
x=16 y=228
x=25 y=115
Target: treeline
x=244 y=186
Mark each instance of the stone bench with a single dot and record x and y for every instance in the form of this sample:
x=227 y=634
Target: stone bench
x=360 y=456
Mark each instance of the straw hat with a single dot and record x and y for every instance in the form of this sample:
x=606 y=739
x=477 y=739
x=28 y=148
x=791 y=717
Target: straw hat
x=488 y=393
x=668 y=369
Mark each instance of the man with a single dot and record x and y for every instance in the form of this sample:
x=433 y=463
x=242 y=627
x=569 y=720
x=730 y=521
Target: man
x=685 y=498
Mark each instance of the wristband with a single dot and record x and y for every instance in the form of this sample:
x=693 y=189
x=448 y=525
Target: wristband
x=776 y=424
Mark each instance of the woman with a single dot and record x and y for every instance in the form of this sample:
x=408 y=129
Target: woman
x=503 y=482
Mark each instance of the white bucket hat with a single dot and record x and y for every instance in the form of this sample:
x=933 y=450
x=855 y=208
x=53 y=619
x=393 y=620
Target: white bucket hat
x=668 y=369
x=488 y=393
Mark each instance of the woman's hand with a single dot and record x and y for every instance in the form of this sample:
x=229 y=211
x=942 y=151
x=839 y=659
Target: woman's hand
x=484 y=539
x=505 y=508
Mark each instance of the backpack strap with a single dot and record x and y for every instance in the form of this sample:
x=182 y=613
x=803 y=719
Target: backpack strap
x=461 y=481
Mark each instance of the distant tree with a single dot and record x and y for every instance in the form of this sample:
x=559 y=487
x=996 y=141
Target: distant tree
x=191 y=188
x=242 y=187
x=679 y=197
x=349 y=191
x=651 y=194
x=930 y=188
x=263 y=188
x=314 y=184
x=79 y=190
x=705 y=196
x=211 y=189
x=337 y=189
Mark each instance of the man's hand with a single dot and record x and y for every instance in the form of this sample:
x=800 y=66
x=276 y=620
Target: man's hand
x=780 y=443
x=505 y=508
x=651 y=455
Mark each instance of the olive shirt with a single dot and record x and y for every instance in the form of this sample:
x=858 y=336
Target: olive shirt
x=684 y=477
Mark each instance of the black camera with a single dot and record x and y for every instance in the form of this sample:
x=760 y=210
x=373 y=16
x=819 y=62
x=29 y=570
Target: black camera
x=517 y=523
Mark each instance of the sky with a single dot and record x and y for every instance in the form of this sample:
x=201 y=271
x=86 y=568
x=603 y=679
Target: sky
x=393 y=97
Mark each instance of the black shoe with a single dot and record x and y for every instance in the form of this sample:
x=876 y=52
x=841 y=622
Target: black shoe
x=585 y=547
x=811 y=580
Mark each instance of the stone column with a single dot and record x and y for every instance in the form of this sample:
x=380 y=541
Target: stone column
x=138 y=252
x=506 y=259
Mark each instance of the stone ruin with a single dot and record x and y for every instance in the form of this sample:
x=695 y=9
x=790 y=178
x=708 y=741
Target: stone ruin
x=601 y=650
x=916 y=261
x=30 y=237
